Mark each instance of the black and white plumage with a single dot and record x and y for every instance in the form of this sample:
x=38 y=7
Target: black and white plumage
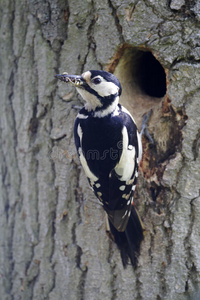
x=109 y=148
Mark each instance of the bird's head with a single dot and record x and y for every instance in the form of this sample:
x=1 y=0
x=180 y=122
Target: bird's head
x=100 y=89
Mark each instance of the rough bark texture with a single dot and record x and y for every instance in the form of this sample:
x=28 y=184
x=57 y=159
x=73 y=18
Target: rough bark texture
x=52 y=230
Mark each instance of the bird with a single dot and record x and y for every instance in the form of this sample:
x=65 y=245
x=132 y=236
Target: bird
x=109 y=147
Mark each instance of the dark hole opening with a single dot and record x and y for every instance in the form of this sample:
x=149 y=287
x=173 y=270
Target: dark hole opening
x=151 y=76
x=143 y=81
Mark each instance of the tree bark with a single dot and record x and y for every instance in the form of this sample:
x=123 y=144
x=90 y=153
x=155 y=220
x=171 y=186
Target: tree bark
x=53 y=243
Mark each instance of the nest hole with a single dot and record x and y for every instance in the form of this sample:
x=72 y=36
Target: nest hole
x=151 y=76
x=143 y=81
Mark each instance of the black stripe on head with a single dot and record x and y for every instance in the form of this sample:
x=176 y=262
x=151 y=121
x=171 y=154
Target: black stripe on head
x=106 y=101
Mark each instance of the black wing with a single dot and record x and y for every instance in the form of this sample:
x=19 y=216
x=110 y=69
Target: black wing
x=123 y=178
x=113 y=179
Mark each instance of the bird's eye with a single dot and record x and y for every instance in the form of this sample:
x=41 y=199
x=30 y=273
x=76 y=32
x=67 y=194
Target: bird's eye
x=96 y=80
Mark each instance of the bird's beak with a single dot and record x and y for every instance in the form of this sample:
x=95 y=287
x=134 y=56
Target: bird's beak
x=75 y=80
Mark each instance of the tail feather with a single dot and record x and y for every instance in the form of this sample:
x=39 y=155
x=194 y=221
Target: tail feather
x=129 y=241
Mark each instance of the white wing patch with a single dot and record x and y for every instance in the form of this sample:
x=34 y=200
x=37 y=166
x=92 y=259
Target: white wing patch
x=80 y=133
x=126 y=165
x=138 y=135
x=105 y=88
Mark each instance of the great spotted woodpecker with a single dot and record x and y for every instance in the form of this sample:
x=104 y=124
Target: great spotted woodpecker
x=109 y=147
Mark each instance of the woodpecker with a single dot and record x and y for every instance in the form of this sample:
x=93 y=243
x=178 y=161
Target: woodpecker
x=109 y=148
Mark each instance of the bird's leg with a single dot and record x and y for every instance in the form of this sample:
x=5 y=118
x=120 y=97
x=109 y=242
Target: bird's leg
x=144 y=128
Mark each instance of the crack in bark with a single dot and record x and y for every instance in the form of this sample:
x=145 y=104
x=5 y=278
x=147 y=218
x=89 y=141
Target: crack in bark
x=190 y=264
x=196 y=146
x=53 y=233
x=186 y=10
x=117 y=21
x=32 y=266
x=79 y=252
x=11 y=209
x=163 y=289
x=90 y=36
x=113 y=281
x=138 y=284
x=113 y=273
x=151 y=246
x=81 y=285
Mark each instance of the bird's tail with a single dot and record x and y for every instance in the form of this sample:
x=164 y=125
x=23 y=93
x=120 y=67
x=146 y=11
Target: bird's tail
x=129 y=241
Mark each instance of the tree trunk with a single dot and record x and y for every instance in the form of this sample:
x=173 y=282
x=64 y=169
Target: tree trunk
x=53 y=243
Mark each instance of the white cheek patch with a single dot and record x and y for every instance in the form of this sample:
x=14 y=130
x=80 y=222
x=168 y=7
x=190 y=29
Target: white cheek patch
x=105 y=88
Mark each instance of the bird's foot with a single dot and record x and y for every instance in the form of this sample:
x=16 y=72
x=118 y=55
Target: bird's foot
x=144 y=127
x=77 y=107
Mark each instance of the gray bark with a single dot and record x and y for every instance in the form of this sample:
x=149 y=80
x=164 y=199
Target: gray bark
x=53 y=243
